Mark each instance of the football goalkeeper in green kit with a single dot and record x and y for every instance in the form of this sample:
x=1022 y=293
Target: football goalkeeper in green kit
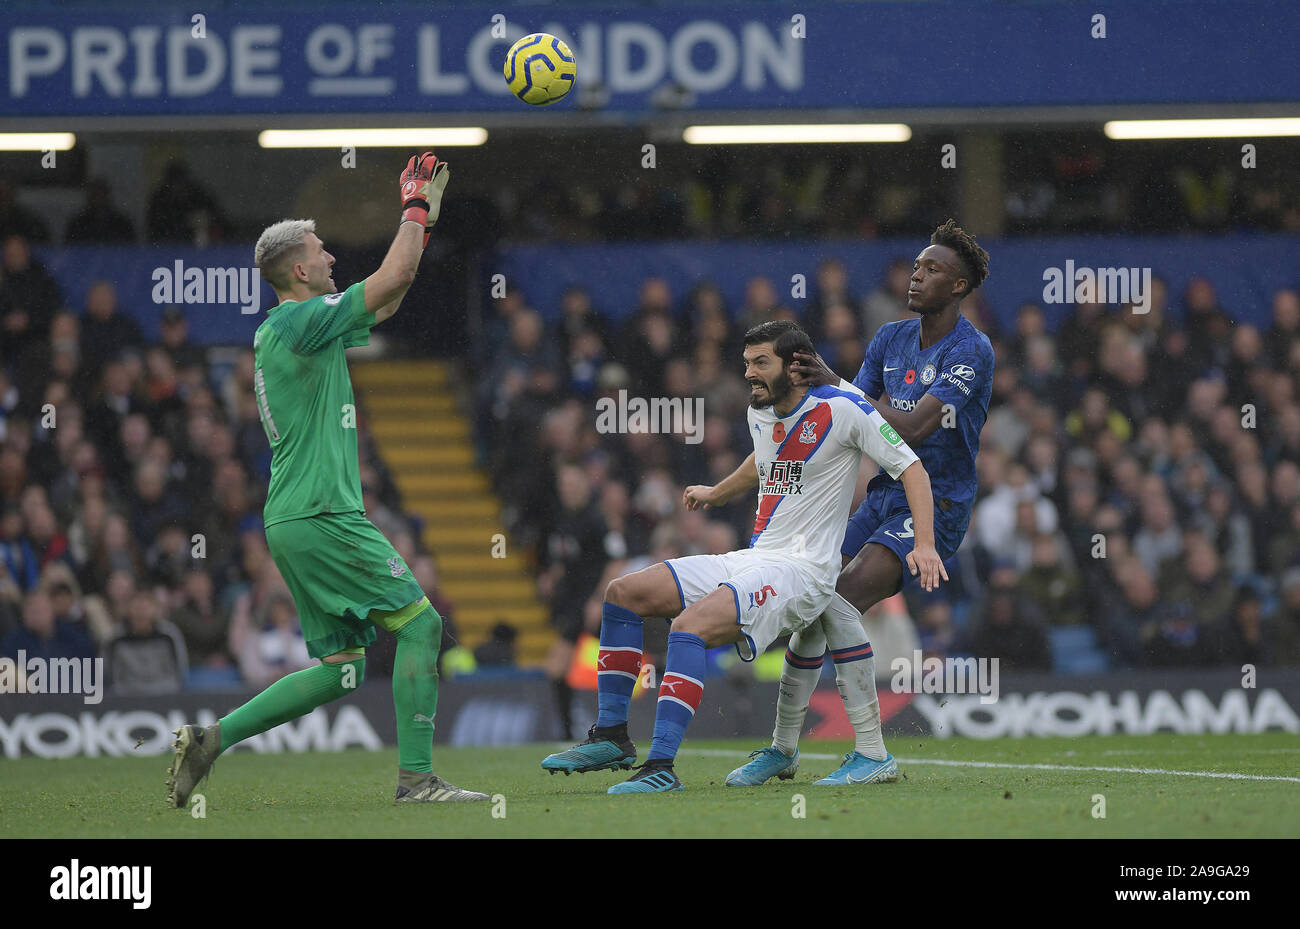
x=345 y=577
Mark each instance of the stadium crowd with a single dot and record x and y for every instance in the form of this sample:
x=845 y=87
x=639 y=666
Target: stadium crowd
x=1139 y=477
x=132 y=479
x=1139 y=500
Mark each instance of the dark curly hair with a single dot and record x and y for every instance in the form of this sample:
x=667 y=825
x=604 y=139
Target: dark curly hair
x=974 y=260
x=786 y=338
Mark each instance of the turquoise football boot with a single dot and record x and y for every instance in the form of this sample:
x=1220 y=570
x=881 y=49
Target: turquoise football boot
x=654 y=777
x=767 y=763
x=859 y=769
x=596 y=754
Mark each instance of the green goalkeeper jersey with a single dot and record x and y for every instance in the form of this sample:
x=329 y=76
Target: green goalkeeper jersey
x=304 y=399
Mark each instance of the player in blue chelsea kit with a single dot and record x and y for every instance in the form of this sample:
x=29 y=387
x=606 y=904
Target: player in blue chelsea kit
x=931 y=379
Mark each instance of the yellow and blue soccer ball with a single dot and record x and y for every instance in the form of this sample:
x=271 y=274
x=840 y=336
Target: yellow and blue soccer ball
x=540 y=69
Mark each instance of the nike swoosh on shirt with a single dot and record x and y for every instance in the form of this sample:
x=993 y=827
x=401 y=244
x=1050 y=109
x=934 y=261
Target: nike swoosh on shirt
x=891 y=369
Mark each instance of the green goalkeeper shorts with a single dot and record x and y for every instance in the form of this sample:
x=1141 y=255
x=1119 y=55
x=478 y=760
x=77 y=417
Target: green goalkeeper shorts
x=339 y=567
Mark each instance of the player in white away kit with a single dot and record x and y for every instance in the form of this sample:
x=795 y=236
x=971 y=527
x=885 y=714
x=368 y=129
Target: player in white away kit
x=808 y=443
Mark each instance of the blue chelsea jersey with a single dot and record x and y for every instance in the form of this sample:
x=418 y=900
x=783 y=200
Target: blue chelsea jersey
x=958 y=370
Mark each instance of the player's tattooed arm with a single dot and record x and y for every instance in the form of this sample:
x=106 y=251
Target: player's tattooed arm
x=923 y=560
x=738 y=481
x=915 y=426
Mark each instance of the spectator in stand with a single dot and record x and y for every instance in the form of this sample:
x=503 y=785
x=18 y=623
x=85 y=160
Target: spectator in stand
x=115 y=550
x=832 y=289
x=17 y=560
x=147 y=656
x=499 y=650
x=1159 y=539
x=1284 y=550
x=1094 y=417
x=116 y=599
x=181 y=210
x=9 y=399
x=577 y=318
x=1009 y=628
x=1043 y=374
x=585 y=357
x=1242 y=639
x=706 y=314
x=1050 y=584
x=47 y=542
x=162 y=393
x=99 y=222
x=29 y=298
x=114 y=402
x=16 y=219
x=203 y=622
x=59 y=583
x=1285 y=331
x=1196 y=598
x=1286 y=624
x=649 y=340
x=573 y=560
x=1207 y=326
x=762 y=303
x=105 y=332
x=275 y=646
x=43 y=635
x=889 y=301
x=153 y=505
x=842 y=345
x=175 y=331
x=938 y=636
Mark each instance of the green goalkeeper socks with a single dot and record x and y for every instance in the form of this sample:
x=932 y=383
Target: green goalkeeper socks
x=415 y=689
x=292 y=696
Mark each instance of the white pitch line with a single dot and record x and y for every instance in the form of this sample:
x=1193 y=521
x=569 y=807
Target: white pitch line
x=1225 y=775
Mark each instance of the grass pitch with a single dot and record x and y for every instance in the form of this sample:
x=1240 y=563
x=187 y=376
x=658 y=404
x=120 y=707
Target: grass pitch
x=950 y=788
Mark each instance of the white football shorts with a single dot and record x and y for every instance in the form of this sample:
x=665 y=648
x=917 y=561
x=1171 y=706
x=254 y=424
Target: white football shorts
x=775 y=595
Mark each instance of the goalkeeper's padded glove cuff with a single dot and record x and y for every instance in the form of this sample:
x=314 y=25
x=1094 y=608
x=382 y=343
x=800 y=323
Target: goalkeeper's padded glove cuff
x=416 y=211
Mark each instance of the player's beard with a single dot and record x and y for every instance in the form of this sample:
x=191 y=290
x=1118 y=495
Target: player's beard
x=776 y=392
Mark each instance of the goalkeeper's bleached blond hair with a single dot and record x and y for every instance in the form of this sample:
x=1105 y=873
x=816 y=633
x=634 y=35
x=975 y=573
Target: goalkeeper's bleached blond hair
x=276 y=243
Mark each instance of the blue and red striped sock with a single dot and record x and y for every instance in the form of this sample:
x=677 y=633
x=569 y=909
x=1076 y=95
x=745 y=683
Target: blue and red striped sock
x=799 y=676
x=855 y=676
x=679 y=694
x=619 y=665
x=852 y=653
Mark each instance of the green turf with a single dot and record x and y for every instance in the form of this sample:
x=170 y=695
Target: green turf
x=349 y=794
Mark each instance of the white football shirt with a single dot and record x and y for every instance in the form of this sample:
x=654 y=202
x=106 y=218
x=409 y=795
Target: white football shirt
x=808 y=465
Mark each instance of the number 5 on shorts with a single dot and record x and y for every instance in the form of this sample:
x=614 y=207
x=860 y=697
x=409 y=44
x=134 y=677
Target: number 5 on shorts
x=907 y=532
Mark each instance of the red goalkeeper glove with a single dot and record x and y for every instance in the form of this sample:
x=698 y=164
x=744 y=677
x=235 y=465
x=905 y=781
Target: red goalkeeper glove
x=423 y=182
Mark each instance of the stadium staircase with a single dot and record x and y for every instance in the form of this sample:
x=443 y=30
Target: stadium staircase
x=424 y=438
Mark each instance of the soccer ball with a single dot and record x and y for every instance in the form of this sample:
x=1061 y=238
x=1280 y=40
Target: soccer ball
x=540 y=69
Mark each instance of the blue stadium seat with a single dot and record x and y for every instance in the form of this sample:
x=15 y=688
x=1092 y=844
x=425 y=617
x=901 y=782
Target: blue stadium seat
x=212 y=679
x=1075 y=651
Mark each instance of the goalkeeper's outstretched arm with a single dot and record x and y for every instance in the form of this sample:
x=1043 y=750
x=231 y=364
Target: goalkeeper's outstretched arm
x=385 y=288
x=422 y=182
